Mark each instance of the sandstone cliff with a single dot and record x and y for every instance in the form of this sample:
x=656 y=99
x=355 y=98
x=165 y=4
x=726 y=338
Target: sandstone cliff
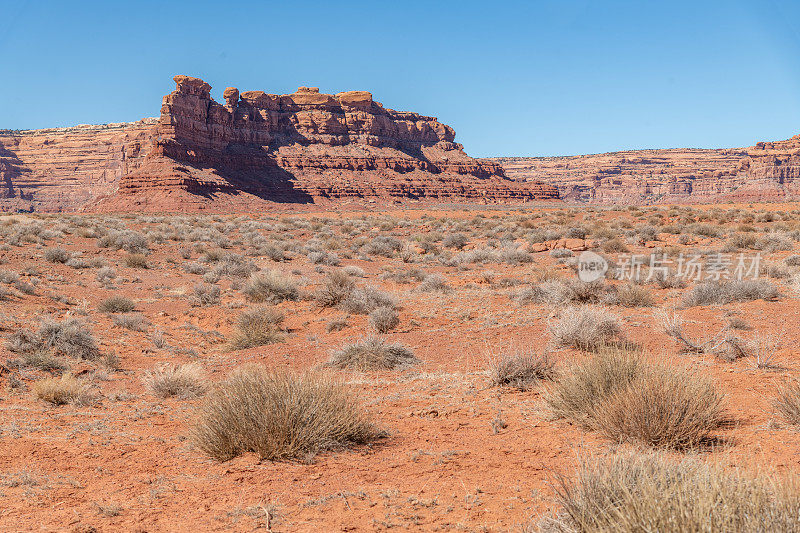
x=305 y=147
x=769 y=171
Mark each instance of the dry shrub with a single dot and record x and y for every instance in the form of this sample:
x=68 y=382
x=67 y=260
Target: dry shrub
x=664 y=408
x=205 y=294
x=788 y=401
x=56 y=255
x=630 y=295
x=279 y=415
x=521 y=370
x=384 y=319
x=635 y=492
x=434 y=283
x=585 y=328
x=69 y=337
x=628 y=399
x=364 y=300
x=723 y=292
x=372 y=353
x=335 y=289
x=63 y=390
x=257 y=326
x=270 y=286
x=117 y=304
x=574 y=394
x=131 y=321
x=184 y=381
x=135 y=261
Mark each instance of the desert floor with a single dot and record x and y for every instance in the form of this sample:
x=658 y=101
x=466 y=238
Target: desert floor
x=459 y=453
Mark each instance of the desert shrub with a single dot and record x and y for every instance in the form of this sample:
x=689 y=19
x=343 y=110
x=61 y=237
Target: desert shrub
x=279 y=416
x=117 y=304
x=723 y=292
x=576 y=392
x=614 y=245
x=318 y=257
x=336 y=288
x=354 y=271
x=131 y=321
x=382 y=245
x=560 y=253
x=788 y=401
x=63 y=390
x=434 y=283
x=69 y=337
x=270 y=286
x=257 y=326
x=663 y=407
x=630 y=295
x=106 y=274
x=8 y=277
x=205 y=294
x=372 y=353
x=585 y=328
x=635 y=492
x=41 y=360
x=363 y=300
x=668 y=281
x=24 y=288
x=195 y=268
x=78 y=263
x=182 y=381
x=384 y=319
x=455 y=240
x=56 y=255
x=135 y=261
x=521 y=370
x=128 y=240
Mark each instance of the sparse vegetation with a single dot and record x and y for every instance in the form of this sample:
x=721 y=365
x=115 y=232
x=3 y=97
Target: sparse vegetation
x=372 y=353
x=586 y=328
x=182 y=381
x=117 y=304
x=270 y=286
x=257 y=326
x=66 y=389
x=521 y=370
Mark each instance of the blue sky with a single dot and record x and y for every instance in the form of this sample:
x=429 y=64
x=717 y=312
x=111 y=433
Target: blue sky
x=513 y=78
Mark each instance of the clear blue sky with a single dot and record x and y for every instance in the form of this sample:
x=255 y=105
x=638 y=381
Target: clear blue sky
x=513 y=78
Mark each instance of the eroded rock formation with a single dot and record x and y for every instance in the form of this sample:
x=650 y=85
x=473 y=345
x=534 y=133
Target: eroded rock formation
x=305 y=147
x=769 y=171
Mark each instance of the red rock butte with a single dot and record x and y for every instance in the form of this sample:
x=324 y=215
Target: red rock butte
x=255 y=150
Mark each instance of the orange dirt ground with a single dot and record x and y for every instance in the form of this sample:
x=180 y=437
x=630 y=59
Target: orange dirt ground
x=126 y=463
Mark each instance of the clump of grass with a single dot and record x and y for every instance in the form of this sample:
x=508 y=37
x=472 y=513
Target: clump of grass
x=205 y=294
x=69 y=337
x=384 y=319
x=270 y=286
x=56 y=255
x=182 y=381
x=135 y=261
x=63 y=390
x=575 y=393
x=363 y=300
x=257 y=326
x=106 y=274
x=521 y=370
x=117 y=304
x=585 y=328
x=633 y=492
x=336 y=324
x=724 y=292
x=372 y=353
x=279 y=416
x=788 y=401
x=131 y=321
x=628 y=399
x=630 y=295
x=434 y=283
x=335 y=289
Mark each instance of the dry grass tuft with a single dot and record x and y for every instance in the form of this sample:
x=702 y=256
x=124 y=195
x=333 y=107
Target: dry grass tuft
x=521 y=370
x=182 y=381
x=117 y=304
x=270 y=286
x=715 y=292
x=335 y=289
x=257 y=326
x=279 y=415
x=788 y=401
x=69 y=337
x=384 y=319
x=63 y=390
x=372 y=353
x=585 y=328
x=633 y=492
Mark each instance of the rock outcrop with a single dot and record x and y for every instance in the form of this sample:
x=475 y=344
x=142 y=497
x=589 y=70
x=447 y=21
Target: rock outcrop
x=256 y=148
x=769 y=171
